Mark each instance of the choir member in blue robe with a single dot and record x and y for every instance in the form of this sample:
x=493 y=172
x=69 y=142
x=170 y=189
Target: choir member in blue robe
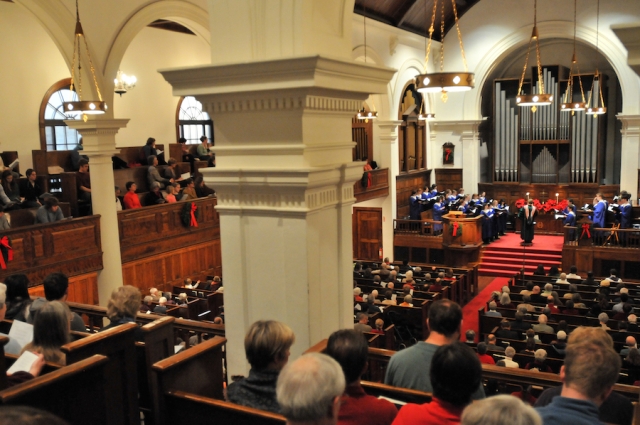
x=414 y=204
x=438 y=210
x=487 y=231
x=570 y=220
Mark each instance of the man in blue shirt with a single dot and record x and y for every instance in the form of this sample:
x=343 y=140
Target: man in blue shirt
x=590 y=370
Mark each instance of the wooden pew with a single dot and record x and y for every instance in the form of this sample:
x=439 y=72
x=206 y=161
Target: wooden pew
x=377 y=389
x=197 y=370
x=186 y=408
x=76 y=393
x=118 y=344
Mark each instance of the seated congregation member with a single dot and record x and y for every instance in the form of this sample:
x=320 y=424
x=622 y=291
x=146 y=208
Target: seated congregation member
x=573 y=273
x=379 y=327
x=18 y=298
x=56 y=288
x=455 y=374
x=317 y=404
x=50 y=212
x=559 y=345
x=482 y=354
x=186 y=155
x=149 y=149
x=363 y=323
x=539 y=362
x=492 y=343
x=189 y=191
x=351 y=350
x=172 y=172
x=12 y=347
x=154 y=196
x=407 y=302
x=508 y=360
x=118 y=198
x=33 y=191
x=170 y=197
x=492 y=310
x=123 y=308
x=542 y=325
x=9 y=192
x=203 y=149
x=131 y=200
x=590 y=370
x=146 y=304
x=161 y=308
x=4 y=222
x=83 y=181
x=500 y=410
x=505 y=331
x=444 y=321
x=201 y=189
x=266 y=345
x=153 y=175
x=50 y=332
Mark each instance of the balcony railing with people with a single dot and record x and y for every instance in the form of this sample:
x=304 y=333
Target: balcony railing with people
x=374 y=184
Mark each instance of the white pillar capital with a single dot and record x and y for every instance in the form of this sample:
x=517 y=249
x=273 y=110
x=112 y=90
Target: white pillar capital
x=388 y=131
x=630 y=160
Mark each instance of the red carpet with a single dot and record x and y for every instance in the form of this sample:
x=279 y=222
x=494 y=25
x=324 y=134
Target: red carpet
x=470 y=311
x=504 y=257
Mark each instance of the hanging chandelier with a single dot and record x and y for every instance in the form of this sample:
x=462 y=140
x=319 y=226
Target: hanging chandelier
x=444 y=82
x=363 y=114
x=124 y=82
x=535 y=99
x=568 y=104
x=84 y=107
x=596 y=108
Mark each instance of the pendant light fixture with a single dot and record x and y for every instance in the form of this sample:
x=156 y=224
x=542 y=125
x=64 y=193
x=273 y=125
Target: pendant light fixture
x=540 y=98
x=568 y=104
x=123 y=82
x=444 y=82
x=594 y=108
x=84 y=107
x=363 y=114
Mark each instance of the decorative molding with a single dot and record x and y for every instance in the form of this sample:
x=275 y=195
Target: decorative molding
x=630 y=125
x=308 y=103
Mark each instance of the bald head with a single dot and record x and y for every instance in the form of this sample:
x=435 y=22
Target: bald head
x=542 y=319
x=630 y=342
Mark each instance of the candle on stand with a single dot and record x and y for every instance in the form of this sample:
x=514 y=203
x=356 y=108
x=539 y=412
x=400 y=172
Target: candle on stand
x=527 y=196
x=556 y=198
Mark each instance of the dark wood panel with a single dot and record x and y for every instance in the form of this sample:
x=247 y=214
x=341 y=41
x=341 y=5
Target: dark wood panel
x=367 y=233
x=405 y=183
x=71 y=246
x=82 y=289
x=448 y=178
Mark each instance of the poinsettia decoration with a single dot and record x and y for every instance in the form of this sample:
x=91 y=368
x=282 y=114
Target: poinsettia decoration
x=549 y=206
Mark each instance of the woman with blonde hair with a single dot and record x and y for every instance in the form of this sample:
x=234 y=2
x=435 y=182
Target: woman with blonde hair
x=123 y=308
x=50 y=332
x=266 y=345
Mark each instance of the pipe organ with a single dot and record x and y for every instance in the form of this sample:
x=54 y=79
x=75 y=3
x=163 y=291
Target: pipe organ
x=548 y=145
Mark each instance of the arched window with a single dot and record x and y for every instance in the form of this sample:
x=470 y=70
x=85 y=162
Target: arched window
x=193 y=122
x=54 y=133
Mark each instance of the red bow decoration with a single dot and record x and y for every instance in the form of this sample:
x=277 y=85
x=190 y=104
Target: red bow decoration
x=194 y=222
x=448 y=152
x=520 y=203
x=4 y=242
x=585 y=229
x=455 y=228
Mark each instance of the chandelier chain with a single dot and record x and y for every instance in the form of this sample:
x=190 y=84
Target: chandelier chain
x=441 y=35
x=524 y=68
x=431 y=30
x=455 y=14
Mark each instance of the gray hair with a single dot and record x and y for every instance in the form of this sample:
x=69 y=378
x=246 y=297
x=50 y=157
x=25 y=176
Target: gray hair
x=540 y=354
x=408 y=299
x=505 y=299
x=548 y=287
x=493 y=305
x=300 y=401
x=510 y=352
x=500 y=410
x=3 y=295
x=154 y=185
x=603 y=317
x=150 y=159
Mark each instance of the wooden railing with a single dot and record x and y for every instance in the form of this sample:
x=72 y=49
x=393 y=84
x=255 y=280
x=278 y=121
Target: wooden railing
x=416 y=227
x=379 y=186
x=70 y=246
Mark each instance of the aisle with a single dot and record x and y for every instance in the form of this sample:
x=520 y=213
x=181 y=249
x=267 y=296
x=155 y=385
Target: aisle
x=470 y=311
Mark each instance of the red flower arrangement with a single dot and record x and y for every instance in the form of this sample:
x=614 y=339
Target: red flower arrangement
x=549 y=206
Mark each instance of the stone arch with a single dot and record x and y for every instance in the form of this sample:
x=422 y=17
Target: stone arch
x=554 y=29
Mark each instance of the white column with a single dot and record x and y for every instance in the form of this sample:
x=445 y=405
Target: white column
x=99 y=141
x=630 y=158
x=284 y=180
x=387 y=157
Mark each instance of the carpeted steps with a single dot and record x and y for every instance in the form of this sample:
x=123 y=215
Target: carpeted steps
x=504 y=258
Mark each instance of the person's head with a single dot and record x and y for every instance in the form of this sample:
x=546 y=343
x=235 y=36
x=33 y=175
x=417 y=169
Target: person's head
x=591 y=365
x=152 y=160
x=204 y=139
x=482 y=348
x=182 y=297
x=500 y=410
x=267 y=344
x=493 y=305
x=624 y=297
x=613 y=272
x=536 y=290
x=632 y=318
x=530 y=344
x=189 y=183
x=362 y=318
x=377 y=279
x=148 y=300
x=491 y=339
x=83 y=165
x=529 y=285
x=455 y=373
x=540 y=355
x=569 y=304
x=408 y=299
x=630 y=341
x=548 y=287
x=542 y=319
x=550 y=299
x=170 y=189
x=124 y=302
x=526 y=298
x=563 y=276
x=357 y=291
x=56 y=286
x=374 y=294
x=172 y=162
x=7 y=177
x=301 y=402
x=505 y=324
x=633 y=356
x=151 y=142
x=519 y=316
x=182 y=141
x=162 y=301
x=388 y=294
x=445 y=318
x=603 y=318
x=379 y=324
x=155 y=187
x=25 y=415
x=31 y=174
x=350 y=349
x=17 y=286
x=51 y=326
x=51 y=203
x=470 y=335
x=505 y=299
x=510 y=352
x=131 y=187
x=553 y=271
x=561 y=336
